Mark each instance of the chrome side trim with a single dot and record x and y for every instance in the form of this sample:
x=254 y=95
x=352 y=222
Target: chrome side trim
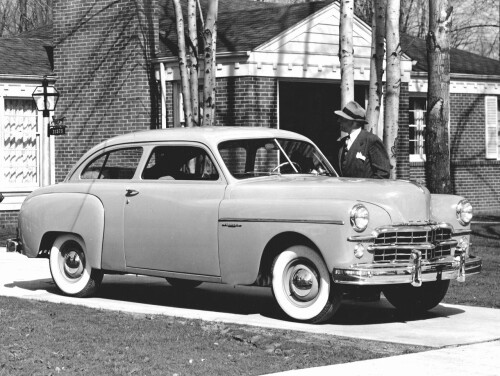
x=264 y=220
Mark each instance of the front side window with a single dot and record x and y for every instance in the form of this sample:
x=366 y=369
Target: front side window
x=418 y=110
x=257 y=157
x=179 y=162
x=115 y=164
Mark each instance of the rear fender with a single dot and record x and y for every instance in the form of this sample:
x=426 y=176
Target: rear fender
x=44 y=216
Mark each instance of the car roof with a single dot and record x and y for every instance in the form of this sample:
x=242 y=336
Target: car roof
x=207 y=135
x=210 y=136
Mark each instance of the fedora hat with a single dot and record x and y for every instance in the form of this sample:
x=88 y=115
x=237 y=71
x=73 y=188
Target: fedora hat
x=353 y=111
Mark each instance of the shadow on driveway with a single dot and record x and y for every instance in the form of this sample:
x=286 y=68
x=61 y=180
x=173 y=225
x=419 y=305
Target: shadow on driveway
x=239 y=300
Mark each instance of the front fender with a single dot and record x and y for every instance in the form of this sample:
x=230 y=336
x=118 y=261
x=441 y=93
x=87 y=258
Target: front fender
x=444 y=209
x=75 y=213
x=246 y=227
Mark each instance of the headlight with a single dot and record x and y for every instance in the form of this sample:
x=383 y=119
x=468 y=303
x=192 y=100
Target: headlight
x=464 y=212
x=359 y=218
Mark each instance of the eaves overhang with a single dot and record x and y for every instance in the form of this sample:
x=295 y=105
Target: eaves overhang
x=18 y=77
x=460 y=83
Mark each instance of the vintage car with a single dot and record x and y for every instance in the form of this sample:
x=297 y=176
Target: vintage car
x=246 y=206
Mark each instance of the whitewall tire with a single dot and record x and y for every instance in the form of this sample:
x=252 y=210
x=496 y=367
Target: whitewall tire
x=302 y=286
x=70 y=269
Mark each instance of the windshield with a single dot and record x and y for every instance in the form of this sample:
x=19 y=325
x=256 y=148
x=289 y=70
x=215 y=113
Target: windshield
x=258 y=157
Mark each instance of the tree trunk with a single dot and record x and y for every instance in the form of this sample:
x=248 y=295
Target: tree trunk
x=186 y=91
x=393 y=84
x=438 y=102
x=346 y=52
x=23 y=16
x=210 y=38
x=376 y=64
x=193 y=61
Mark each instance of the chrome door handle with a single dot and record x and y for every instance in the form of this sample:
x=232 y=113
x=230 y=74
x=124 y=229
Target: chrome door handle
x=131 y=192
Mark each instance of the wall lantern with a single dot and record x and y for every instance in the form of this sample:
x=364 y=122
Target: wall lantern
x=45 y=97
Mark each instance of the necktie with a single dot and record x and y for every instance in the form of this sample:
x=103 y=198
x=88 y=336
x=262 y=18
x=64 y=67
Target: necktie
x=344 y=151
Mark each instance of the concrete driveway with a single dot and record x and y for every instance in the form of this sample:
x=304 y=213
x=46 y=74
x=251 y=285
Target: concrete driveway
x=446 y=325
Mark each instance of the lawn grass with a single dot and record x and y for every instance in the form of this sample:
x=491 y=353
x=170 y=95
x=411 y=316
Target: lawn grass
x=482 y=289
x=40 y=338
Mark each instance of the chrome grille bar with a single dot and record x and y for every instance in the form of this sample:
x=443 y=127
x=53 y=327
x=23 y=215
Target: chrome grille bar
x=399 y=243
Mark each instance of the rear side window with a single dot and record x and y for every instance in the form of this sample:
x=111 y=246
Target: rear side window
x=179 y=163
x=116 y=164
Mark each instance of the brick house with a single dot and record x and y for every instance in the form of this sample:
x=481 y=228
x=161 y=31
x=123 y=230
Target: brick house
x=277 y=66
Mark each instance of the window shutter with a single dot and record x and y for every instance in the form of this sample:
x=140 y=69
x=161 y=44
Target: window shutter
x=491 y=116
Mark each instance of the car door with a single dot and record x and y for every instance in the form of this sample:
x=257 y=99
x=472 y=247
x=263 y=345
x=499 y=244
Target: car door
x=171 y=212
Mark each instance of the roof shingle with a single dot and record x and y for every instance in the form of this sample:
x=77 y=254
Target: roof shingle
x=25 y=57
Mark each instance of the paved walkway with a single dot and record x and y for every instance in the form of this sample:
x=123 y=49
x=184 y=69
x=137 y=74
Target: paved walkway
x=466 y=339
x=473 y=360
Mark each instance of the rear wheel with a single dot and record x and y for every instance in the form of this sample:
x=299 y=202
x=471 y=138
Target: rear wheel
x=409 y=299
x=183 y=283
x=302 y=286
x=70 y=269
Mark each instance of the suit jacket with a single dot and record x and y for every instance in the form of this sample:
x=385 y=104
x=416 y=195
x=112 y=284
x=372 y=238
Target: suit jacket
x=367 y=158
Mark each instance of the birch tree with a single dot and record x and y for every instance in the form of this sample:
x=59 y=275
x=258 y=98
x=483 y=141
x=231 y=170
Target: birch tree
x=186 y=87
x=393 y=83
x=210 y=37
x=376 y=64
x=189 y=60
x=193 y=61
x=346 y=52
x=438 y=103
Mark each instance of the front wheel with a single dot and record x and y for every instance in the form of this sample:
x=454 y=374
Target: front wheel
x=411 y=300
x=302 y=286
x=70 y=269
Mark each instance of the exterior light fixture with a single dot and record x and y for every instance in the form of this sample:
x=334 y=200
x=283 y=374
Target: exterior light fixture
x=45 y=98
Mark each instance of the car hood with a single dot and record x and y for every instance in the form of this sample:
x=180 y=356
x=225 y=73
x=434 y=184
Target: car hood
x=404 y=201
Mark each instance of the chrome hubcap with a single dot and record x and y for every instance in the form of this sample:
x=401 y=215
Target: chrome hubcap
x=73 y=264
x=304 y=283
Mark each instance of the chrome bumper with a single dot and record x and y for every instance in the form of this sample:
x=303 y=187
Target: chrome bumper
x=14 y=245
x=415 y=272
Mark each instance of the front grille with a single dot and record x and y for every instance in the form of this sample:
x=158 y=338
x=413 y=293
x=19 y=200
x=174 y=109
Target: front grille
x=395 y=244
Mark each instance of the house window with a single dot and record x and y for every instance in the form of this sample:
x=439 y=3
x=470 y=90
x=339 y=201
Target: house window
x=18 y=144
x=418 y=110
x=492 y=127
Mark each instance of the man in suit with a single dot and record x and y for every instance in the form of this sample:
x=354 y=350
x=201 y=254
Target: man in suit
x=361 y=153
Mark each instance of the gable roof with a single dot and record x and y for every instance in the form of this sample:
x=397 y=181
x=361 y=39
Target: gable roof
x=242 y=25
x=461 y=62
x=27 y=54
x=25 y=57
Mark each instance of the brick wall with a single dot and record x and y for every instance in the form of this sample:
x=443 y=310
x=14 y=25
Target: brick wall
x=247 y=101
x=8 y=219
x=403 y=158
x=473 y=176
x=101 y=59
